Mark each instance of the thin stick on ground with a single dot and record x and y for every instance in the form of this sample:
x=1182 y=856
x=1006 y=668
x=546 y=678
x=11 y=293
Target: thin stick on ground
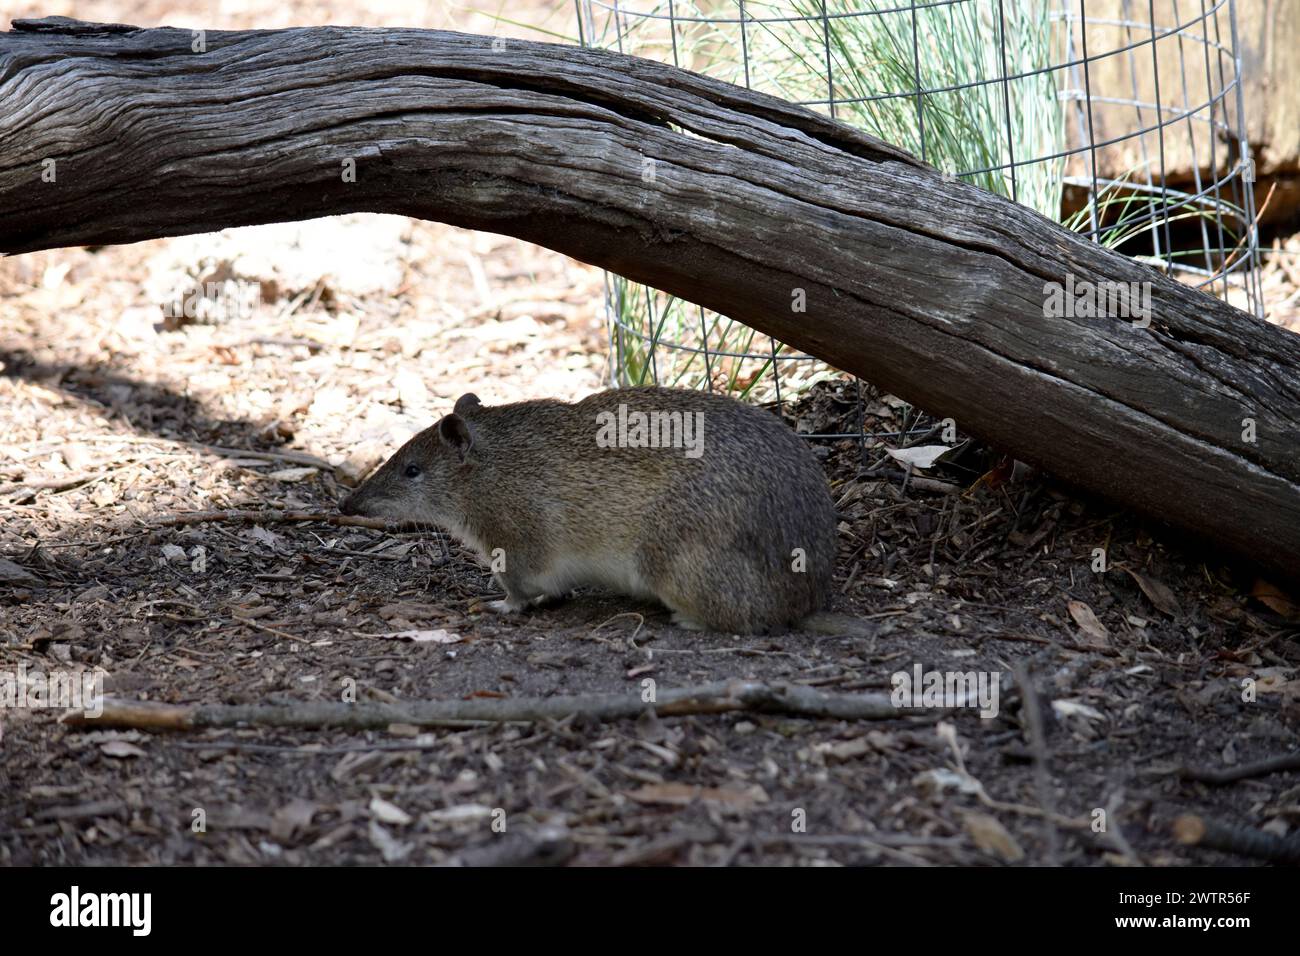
x=716 y=698
x=1036 y=737
x=1233 y=774
x=261 y=516
x=282 y=454
x=224 y=451
x=275 y=516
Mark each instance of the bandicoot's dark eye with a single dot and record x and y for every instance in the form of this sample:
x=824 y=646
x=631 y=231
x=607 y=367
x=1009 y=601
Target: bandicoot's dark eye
x=412 y=471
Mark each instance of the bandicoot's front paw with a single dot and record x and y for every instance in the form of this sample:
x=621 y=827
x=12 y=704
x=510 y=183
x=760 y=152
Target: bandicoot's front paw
x=506 y=607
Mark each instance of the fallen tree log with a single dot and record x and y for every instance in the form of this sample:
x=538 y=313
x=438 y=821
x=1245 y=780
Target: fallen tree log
x=925 y=286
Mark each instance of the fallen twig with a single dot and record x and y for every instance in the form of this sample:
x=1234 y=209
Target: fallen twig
x=266 y=628
x=1232 y=775
x=1193 y=830
x=61 y=483
x=542 y=846
x=284 y=454
x=1036 y=738
x=1050 y=642
x=640 y=623
x=868 y=840
x=82 y=811
x=888 y=845
x=308 y=750
x=66 y=482
x=273 y=516
x=716 y=698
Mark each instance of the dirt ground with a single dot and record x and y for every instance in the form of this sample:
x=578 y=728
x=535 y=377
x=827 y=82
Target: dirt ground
x=113 y=422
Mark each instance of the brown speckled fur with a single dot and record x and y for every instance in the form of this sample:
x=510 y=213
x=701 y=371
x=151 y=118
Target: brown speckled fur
x=711 y=537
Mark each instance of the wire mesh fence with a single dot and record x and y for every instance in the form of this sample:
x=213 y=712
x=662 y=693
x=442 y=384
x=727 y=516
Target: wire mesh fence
x=1121 y=119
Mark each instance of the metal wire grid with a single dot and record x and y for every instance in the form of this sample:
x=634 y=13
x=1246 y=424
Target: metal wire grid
x=1220 y=200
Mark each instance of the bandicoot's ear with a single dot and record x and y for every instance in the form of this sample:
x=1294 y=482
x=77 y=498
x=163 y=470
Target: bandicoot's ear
x=455 y=432
x=466 y=403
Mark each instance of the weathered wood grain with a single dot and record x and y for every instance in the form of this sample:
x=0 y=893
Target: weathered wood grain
x=929 y=288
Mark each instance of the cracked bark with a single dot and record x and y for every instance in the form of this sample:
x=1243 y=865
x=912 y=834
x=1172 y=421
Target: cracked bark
x=933 y=290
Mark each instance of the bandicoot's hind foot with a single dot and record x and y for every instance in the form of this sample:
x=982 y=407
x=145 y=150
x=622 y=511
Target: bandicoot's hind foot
x=743 y=594
x=686 y=622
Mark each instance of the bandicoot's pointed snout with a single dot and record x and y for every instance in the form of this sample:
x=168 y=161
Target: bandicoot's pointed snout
x=348 y=505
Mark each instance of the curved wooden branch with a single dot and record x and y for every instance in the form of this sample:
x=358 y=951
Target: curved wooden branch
x=927 y=287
